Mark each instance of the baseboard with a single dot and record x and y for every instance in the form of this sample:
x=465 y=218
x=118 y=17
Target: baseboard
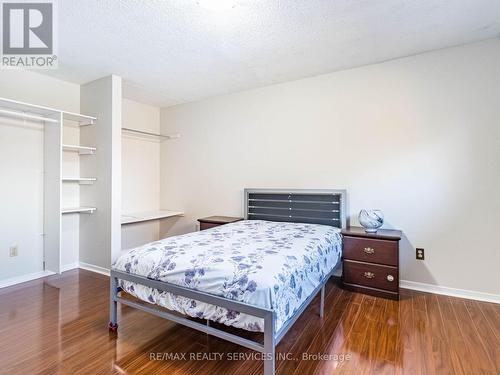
x=93 y=268
x=24 y=278
x=69 y=267
x=447 y=291
x=37 y=275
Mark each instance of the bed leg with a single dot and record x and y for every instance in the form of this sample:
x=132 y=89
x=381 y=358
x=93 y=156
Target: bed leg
x=269 y=345
x=113 y=305
x=322 y=303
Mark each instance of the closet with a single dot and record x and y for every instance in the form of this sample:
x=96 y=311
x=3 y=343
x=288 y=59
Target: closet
x=68 y=198
x=142 y=213
x=61 y=184
x=48 y=124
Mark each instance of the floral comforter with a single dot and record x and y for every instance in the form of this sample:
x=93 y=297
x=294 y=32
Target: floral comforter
x=263 y=263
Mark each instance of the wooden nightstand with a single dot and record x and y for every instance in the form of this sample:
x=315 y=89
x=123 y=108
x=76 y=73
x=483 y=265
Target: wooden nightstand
x=371 y=262
x=215 y=221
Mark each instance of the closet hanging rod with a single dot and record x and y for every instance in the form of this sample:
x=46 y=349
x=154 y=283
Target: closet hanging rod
x=28 y=116
x=140 y=132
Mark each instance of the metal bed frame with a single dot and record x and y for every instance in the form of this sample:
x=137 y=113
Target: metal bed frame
x=311 y=206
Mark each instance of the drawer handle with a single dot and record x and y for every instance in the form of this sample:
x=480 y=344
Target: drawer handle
x=369 y=250
x=369 y=275
x=390 y=278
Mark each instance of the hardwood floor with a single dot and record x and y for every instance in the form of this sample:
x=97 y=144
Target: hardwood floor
x=59 y=325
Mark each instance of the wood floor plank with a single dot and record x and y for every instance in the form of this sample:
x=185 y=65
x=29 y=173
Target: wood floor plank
x=423 y=341
x=58 y=325
x=460 y=354
x=347 y=348
x=307 y=325
x=314 y=331
x=437 y=336
x=491 y=315
x=471 y=336
x=326 y=343
x=390 y=331
x=375 y=343
x=357 y=344
x=490 y=342
x=407 y=358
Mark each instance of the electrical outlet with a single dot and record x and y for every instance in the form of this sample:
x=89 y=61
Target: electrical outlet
x=420 y=253
x=13 y=251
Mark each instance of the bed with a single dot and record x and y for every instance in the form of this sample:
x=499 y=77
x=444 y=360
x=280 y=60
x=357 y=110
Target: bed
x=258 y=274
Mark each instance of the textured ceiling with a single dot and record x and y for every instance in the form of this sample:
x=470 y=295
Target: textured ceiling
x=171 y=52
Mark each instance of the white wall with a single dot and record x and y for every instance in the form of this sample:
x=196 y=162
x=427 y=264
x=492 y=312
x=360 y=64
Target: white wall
x=141 y=158
x=40 y=89
x=21 y=168
x=140 y=171
x=418 y=137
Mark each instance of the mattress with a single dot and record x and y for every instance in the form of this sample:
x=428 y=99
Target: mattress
x=274 y=265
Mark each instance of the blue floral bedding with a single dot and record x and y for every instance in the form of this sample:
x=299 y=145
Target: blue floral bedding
x=263 y=263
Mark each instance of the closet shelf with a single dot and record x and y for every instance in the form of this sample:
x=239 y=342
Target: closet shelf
x=26 y=115
x=80 y=180
x=78 y=210
x=14 y=108
x=148 y=134
x=82 y=120
x=148 y=216
x=82 y=150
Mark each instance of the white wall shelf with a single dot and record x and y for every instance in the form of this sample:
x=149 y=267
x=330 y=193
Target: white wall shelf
x=82 y=150
x=143 y=134
x=140 y=217
x=78 y=210
x=15 y=108
x=27 y=116
x=80 y=180
x=29 y=109
x=82 y=120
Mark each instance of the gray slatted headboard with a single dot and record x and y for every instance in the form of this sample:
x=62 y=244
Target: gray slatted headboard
x=297 y=205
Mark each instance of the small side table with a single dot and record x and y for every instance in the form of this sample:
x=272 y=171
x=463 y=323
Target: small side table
x=371 y=262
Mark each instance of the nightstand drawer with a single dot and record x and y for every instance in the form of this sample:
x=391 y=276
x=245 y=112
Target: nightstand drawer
x=371 y=250
x=215 y=221
x=204 y=226
x=371 y=275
